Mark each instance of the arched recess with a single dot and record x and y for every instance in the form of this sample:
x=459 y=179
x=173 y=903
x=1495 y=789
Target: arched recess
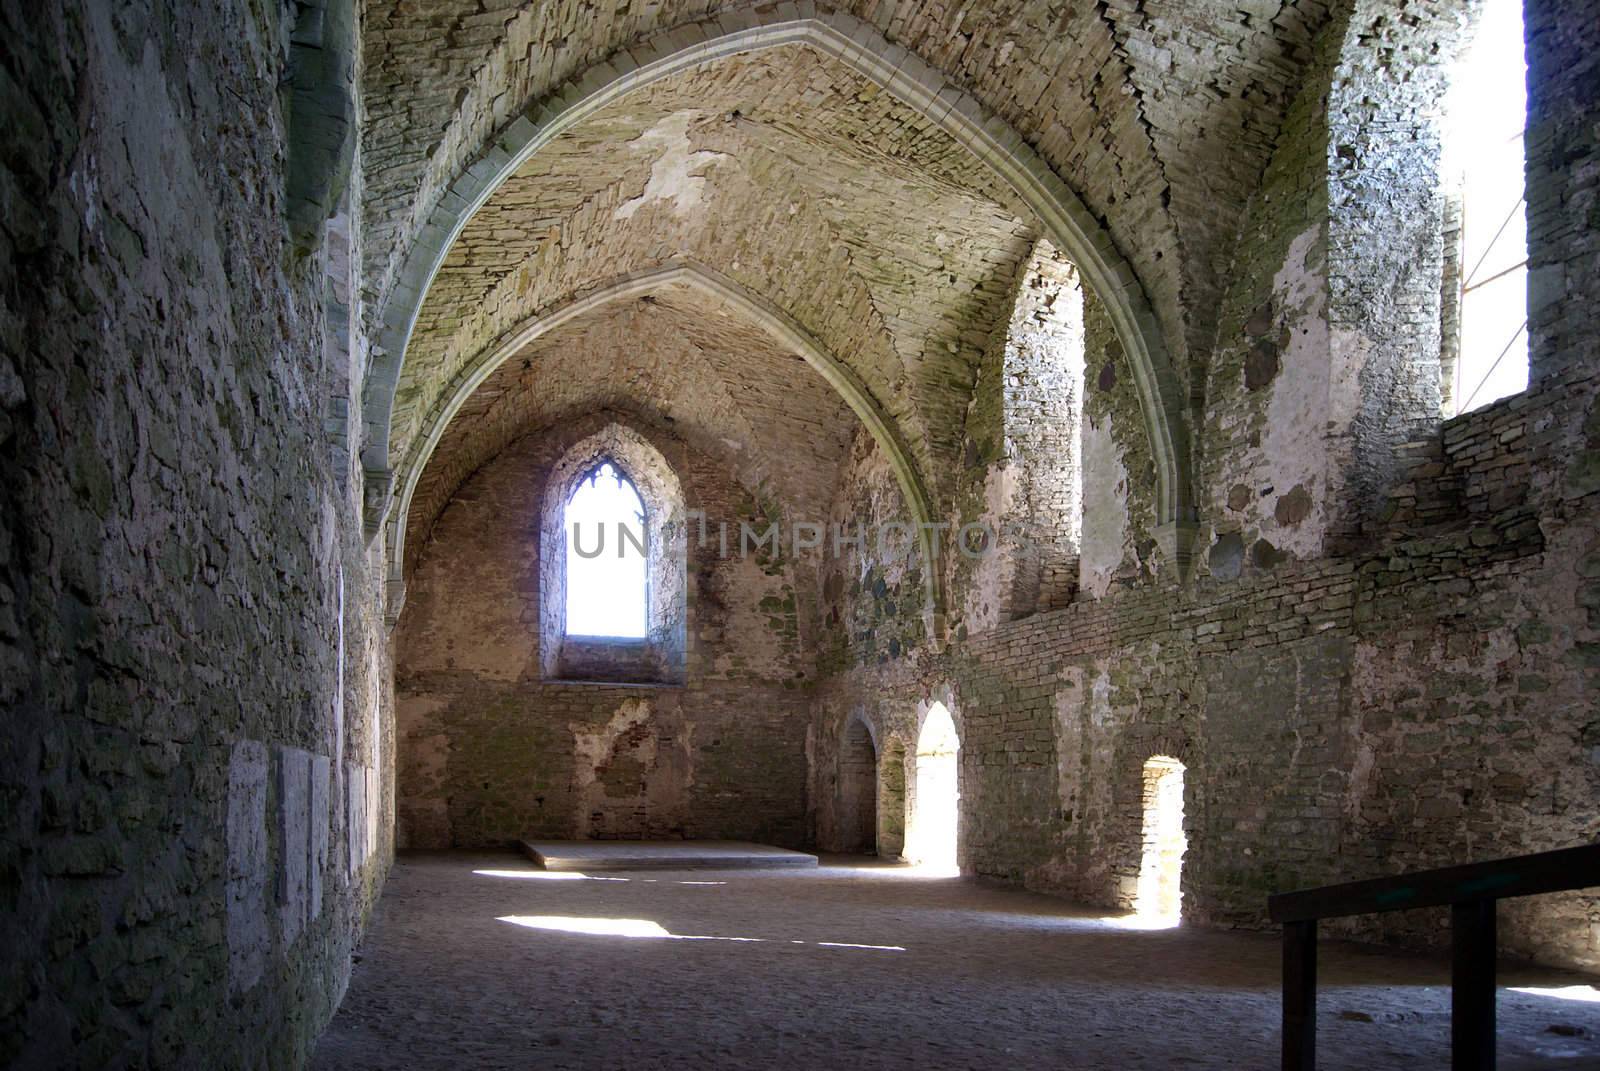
x=666 y=567
x=1069 y=224
x=752 y=307
x=858 y=788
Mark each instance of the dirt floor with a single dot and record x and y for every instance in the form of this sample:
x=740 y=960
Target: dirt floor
x=472 y=962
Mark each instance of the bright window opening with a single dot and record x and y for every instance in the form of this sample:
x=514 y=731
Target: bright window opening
x=1488 y=110
x=606 y=559
x=938 y=798
x=1159 y=896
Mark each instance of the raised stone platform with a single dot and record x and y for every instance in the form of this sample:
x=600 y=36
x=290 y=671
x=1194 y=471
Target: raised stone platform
x=662 y=855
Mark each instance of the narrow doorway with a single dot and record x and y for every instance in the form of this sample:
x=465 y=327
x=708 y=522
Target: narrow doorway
x=938 y=799
x=1159 y=896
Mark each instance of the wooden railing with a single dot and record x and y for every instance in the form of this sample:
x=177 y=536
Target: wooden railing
x=1470 y=891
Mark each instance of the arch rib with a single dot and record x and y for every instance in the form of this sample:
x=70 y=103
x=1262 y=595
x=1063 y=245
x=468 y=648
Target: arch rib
x=901 y=73
x=779 y=325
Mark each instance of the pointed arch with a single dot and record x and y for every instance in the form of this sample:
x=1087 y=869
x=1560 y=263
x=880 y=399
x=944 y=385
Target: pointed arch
x=661 y=492
x=755 y=309
x=861 y=47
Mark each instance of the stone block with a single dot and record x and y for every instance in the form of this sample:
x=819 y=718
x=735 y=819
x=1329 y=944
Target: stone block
x=294 y=841
x=321 y=821
x=248 y=927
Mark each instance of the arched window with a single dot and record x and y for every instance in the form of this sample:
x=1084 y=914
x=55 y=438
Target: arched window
x=1487 y=112
x=607 y=574
x=613 y=578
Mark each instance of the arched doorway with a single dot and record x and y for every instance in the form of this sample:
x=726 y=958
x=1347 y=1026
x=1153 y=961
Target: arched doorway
x=858 y=790
x=1159 y=894
x=938 y=795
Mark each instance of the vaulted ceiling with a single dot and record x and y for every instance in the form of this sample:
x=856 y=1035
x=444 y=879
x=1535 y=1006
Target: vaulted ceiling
x=676 y=359
x=801 y=182
x=1160 y=114
x=784 y=172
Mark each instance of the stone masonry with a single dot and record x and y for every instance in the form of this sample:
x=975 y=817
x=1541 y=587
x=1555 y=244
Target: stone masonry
x=311 y=313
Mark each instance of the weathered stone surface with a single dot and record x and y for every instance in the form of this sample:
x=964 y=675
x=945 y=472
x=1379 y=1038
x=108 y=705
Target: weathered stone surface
x=1335 y=715
x=249 y=932
x=294 y=841
x=1260 y=365
x=493 y=752
x=1386 y=659
x=172 y=526
x=836 y=233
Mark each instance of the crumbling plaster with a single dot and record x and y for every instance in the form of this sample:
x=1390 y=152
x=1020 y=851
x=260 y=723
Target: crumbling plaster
x=494 y=750
x=1062 y=216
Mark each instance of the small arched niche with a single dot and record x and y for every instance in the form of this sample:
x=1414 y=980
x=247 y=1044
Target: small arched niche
x=659 y=656
x=858 y=790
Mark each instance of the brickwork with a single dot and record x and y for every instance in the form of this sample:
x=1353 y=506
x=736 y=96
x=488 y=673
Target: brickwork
x=492 y=752
x=1031 y=498
x=1142 y=109
x=1082 y=120
x=691 y=363
x=192 y=665
x=1332 y=714
x=853 y=231
x=870 y=605
x=1386 y=236
x=907 y=307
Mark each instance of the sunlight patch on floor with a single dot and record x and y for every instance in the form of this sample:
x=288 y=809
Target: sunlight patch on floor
x=1139 y=922
x=1588 y=994
x=645 y=928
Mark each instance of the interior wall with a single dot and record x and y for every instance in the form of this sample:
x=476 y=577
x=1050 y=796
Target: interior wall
x=197 y=772
x=1415 y=692
x=1332 y=714
x=192 y=664
x=491 y=752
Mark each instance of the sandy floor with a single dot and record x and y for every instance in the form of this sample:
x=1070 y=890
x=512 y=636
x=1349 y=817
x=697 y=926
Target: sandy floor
x=854 y=966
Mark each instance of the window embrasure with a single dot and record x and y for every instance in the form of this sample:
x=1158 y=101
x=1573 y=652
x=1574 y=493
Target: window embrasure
x=612 y=573
x=1486 y=114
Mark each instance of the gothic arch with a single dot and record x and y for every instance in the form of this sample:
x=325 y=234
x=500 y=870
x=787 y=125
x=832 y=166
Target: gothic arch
x=665 y=524
x=782 y=327
x=1069 y=224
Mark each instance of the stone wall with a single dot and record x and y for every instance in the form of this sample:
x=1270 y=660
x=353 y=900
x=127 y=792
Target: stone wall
x=492 y=751
x=1023 y=439
x=192 y=668
x=1333 y=715
x=1386 y=658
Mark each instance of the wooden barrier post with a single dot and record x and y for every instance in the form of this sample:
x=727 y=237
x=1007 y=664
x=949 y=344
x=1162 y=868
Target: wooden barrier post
x=1300 y=995
x=1472 y=939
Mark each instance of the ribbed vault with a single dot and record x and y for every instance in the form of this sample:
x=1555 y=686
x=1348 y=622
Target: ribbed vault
x=888 y=73
x=675 y=358
x=787 y=173
x=1159 y=114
